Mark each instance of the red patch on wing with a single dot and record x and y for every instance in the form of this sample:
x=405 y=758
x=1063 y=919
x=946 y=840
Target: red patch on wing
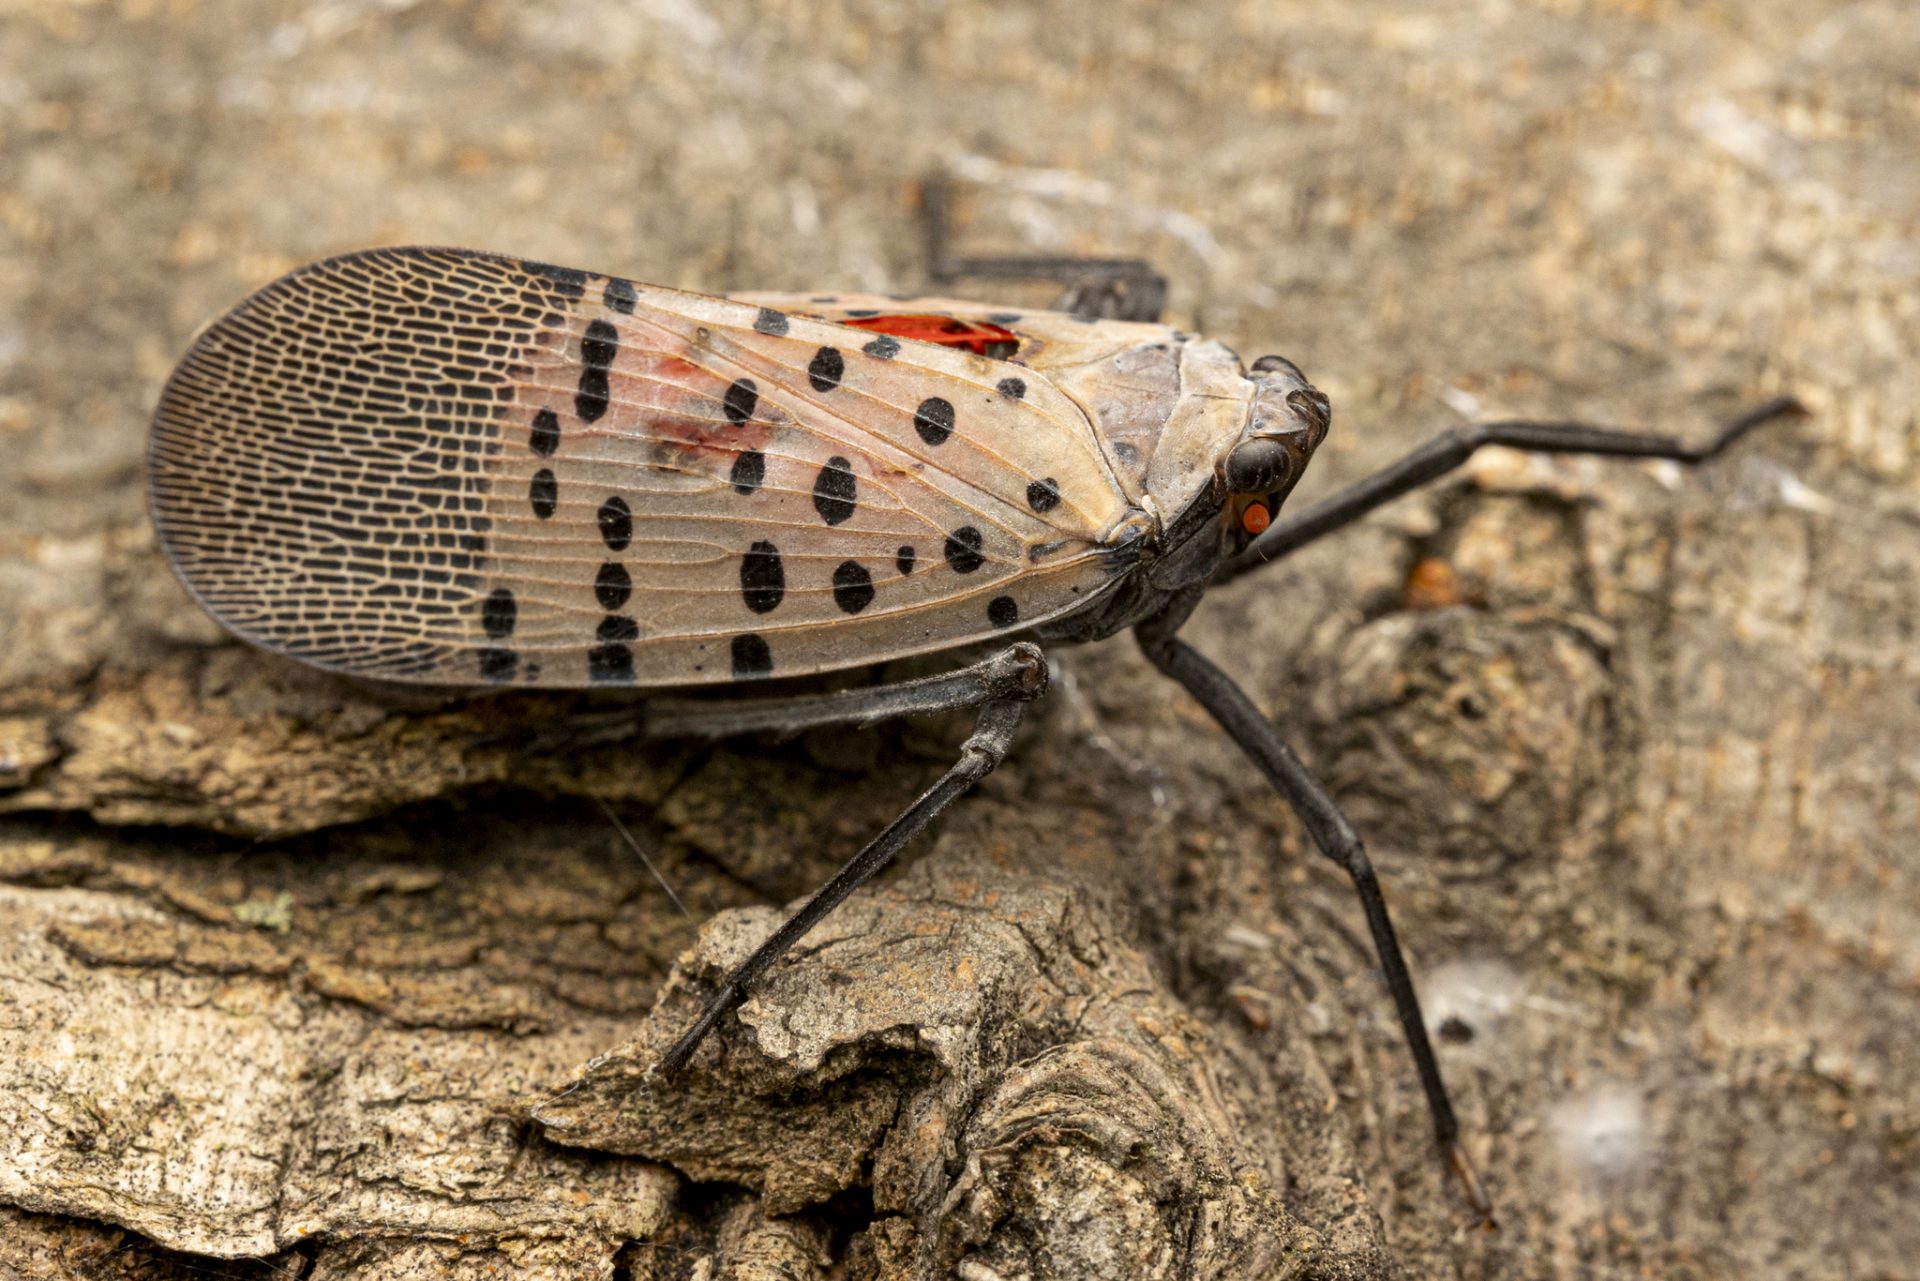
x=682 y=410
x=977 y=336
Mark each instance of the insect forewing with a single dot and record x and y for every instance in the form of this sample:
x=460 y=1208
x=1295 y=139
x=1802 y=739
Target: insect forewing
x=443 y=467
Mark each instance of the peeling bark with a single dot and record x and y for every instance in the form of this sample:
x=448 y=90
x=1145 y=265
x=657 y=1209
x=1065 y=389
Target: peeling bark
x=298 y=980
x=996 y=1067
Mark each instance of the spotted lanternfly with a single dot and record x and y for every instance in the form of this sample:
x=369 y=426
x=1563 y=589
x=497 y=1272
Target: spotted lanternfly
x=447 y=468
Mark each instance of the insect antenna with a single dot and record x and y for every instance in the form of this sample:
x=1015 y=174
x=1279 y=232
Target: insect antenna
x=1453 y=448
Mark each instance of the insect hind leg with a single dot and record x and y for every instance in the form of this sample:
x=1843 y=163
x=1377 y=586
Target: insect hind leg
x=979 y=755
x=1336 y=838
x=1095 y=288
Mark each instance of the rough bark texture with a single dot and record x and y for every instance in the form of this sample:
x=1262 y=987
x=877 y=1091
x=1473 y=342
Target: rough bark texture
x=297 y=981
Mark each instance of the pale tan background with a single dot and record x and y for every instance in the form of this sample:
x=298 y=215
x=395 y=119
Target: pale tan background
x=283 y=970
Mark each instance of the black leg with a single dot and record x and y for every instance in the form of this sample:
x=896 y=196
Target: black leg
x=1450 y=449
x=985 y=749
x=1096 y=288
x=1334 y=834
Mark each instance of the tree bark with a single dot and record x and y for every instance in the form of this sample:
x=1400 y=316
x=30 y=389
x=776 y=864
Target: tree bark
x=299 y=980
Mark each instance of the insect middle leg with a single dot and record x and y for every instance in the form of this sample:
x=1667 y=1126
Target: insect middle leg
x=1451 y=449
x=1096 y=288
x=1336 y=838
x=979 y=755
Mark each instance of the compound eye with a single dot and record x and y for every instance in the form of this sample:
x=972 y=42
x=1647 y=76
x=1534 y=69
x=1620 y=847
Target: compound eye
x=1258 y=467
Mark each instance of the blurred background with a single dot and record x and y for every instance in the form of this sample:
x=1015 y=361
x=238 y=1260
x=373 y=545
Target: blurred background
x=1637 y=749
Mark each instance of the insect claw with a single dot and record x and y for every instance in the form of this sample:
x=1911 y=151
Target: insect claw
x=681 y=1051
x=1476 y=1193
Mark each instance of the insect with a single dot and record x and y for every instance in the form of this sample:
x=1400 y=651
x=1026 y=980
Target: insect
x=446 y=468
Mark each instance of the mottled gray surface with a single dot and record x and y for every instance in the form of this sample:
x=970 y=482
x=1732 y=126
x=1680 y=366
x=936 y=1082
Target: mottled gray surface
x=1637 y=751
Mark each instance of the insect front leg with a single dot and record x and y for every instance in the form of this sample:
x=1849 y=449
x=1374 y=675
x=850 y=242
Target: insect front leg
x=1453 y=448
x=1334 y=834
x=1096 y=288
x=979 y=755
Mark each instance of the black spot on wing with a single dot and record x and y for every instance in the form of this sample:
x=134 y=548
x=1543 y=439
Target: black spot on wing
x=771 y=322
x=749 y=471
x=610 y=663
x=499 y=614
x=934 y=420
x=616 y=523
x=612 y=585
x=544 y=439
x=752 y=658
x=835 y=491
x=616 y=627
x=763 y=578
x=543 y=493
x=1003 y=611
x=619 y=296
x=963 y=550
x=826 y=369
x=885 y=347
x=597 y=351
x=852 y=587
x=739 y=402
